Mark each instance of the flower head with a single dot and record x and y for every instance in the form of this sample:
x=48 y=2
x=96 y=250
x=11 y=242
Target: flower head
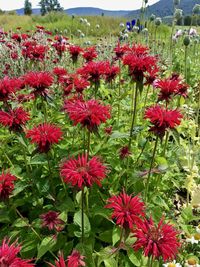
x=75 y=259
x=89 y=53
x=127 y=210
x=6 y=185
x=172 y=264
x=60 y=262
x=14 y=119
x=8 y=87
x=51 y=220
x=162 y=119
x=124 y=152
x=158 y=241
x=82 y=171
x=8 y=255
x=89 y=113
x=94 y=71
x=45 y=135
x=40 y=81
x=111 y=72
x=74 y=51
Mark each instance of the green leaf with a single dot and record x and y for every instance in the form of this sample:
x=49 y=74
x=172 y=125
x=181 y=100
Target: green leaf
x=46 y=245
x=21 y=222
x=117 y=134
x=134 y=257
x=116 y=235
x=77 y=221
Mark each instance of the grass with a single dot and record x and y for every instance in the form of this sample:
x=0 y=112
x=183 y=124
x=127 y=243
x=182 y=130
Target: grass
x=62 y=23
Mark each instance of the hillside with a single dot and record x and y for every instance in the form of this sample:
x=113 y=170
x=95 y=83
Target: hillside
x=84 y=11
x=165 y=8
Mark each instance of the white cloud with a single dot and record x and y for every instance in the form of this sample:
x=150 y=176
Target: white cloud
x=104 y=4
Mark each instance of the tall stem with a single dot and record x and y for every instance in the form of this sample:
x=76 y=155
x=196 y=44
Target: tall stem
x=119 y=92
x=166 y=142
x=150 y=169
x=134 y=115
x=82 y=215
x=88 y=144
x=185 y=62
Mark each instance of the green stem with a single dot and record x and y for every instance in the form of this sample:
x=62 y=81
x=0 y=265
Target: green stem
x=150 y=169
x=33 y=230
x=166 y=142
x=82 y=215
x=134 y=116
x=185 y=63
x=88 y=144
x=119 y=92
x=50 y=175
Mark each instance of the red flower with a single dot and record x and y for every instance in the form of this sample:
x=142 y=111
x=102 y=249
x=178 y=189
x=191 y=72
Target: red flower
x=94 y=71
x=44 y=135
x=120 y=51
x=8 y=255
x=139 y=65
x=59 y=71
x=80 y=84
x=60 y=262
x=6 y=185
x=75 y=259
x=83 y=172
x=16 y=37
x=34 y=51
x=40 y=81
x=7 y=88
x=151 y=75
x=108 y=130
x=156 y=241
x=167 y=87
x=74 y=51
x=51 y=220
x=127 y=210
x=89 y=113
x=162 y=119
x=14 y=119
x=89 y=53
x=111 y=72
x=124 y=152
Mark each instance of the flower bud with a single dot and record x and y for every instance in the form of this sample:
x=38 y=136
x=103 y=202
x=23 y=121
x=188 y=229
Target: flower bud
x=186 y=40
x=158 y=21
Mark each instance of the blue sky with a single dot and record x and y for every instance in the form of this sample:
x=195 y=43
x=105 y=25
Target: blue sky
x=104 y=4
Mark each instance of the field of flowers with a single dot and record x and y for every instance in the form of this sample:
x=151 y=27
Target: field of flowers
x=99 y=149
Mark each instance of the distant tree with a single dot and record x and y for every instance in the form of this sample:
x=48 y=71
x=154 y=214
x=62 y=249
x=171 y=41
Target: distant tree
x=27 y=8
x=49 y=6
x=42 y=5
x=187 y=20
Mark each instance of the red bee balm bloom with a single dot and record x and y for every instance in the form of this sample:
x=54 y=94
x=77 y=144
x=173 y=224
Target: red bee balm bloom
x=75 y=259
x=167 y=87
x=8 y=255
x=89 y=53
x=74 y=52
x=14 y=119
x=44 y=135
x=127 y=209
x=6 y=185
x=40 y=81
x=89 y=113
x=60 y=263
x=51 y=220
x=83 y=172
x=7 y=88
x=162 y=119
x=156 y=241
